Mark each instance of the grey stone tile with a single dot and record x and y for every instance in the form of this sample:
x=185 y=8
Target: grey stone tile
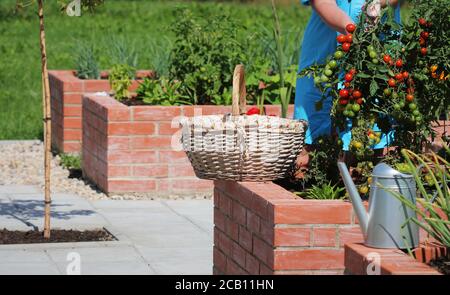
x=23 y=256
x=28 y=269
x=19 y=189
x=97 y=254
x=112 y=268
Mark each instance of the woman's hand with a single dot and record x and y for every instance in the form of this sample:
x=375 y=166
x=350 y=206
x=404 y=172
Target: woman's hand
x=331 y=14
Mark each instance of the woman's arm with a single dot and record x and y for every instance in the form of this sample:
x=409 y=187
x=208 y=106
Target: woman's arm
x=331 y=14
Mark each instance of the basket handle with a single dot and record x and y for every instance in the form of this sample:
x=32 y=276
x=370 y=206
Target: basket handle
x=239 y=91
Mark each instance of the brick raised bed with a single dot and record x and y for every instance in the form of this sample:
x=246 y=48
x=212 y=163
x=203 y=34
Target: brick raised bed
x=359 y=259
x=66 y=92
x=261 y=228
x=128 y=148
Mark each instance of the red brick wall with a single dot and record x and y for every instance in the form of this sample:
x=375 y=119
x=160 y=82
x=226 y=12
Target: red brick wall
x=390 y=261
x=66 y=91
x=128 y=149
x=261 y=228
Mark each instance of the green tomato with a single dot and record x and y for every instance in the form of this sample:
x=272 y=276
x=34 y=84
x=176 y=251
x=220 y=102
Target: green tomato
x=373 y=54
x=350 y=114
x=418 y=118
x=317 y=80
x=397 y=107
x=356 y=107
x=387 y=91
x=402 y=104
x=394 y=95
x=332 y=64
x=370 y=48
x=412 y=106
x=345 y=113
x=375 y=61
x=338 y=54
x=416 y=113
x=328 y=73
x=323 y=78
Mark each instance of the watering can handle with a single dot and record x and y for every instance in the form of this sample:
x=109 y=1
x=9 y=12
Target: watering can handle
x=239 y=91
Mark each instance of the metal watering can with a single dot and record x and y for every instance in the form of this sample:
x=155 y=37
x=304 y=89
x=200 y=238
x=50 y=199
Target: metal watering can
x=385 y=225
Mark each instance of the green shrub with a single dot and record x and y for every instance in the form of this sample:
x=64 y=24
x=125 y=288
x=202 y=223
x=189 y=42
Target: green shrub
x=86 y=63
x=120 y=79
x=161 y=92
x=204 y=55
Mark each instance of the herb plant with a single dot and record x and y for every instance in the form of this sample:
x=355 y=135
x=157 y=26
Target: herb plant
x=86 y=63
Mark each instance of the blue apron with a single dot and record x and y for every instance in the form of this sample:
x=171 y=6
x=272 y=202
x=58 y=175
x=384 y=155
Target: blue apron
x=319 y=41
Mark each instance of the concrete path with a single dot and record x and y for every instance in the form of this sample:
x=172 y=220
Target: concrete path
x=154 y=237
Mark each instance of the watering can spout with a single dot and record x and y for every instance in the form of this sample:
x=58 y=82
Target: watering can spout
x=358 y=206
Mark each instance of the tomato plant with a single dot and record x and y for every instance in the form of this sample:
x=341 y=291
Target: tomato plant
x=405 y=92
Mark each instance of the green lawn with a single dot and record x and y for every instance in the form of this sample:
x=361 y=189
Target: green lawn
x=139 y=23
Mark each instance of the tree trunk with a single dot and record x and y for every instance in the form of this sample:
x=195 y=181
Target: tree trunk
x=47 y=119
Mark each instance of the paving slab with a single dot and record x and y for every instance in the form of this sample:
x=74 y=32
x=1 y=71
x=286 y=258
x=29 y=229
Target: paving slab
x=155 y=237
x=20 y=211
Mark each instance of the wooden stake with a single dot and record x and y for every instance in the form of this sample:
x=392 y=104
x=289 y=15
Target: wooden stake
x=47 y=120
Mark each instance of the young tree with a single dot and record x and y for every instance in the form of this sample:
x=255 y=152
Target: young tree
x=70 y=6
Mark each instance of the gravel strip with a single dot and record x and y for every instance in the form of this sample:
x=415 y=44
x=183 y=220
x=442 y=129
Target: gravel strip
x=22 y=163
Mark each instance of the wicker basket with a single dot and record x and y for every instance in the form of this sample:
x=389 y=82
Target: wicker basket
x=240 y=147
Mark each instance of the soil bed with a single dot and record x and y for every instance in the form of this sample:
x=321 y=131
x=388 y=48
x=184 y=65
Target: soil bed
x=442 y=265
x=57 y=236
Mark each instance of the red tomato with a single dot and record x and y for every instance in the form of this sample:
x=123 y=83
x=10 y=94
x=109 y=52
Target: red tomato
x=422 y=21
x=359 y=101
x=349 y=38
x=423 y=51
x=350 y=28
x=347 y=84
x=352 y=71
x=391 y=82
x=422 y=41
x=343 y=102
x=341 y=39
x=253 y=111
x=409 y=98
x=387 y=58
x=346 y=47
x=425 y=35
x=343 y=93
x=357 y=94
x=399 y=63
x=410 y=90
x=405 y=75
x=348 y=77
x=399 y=77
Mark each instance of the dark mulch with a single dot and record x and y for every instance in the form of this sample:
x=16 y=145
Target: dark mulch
x=56 y=236
x=133 y=102
x=442 y=265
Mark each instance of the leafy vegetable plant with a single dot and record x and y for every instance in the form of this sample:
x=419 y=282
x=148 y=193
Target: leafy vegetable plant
x=120 y=78
x=161 y=92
